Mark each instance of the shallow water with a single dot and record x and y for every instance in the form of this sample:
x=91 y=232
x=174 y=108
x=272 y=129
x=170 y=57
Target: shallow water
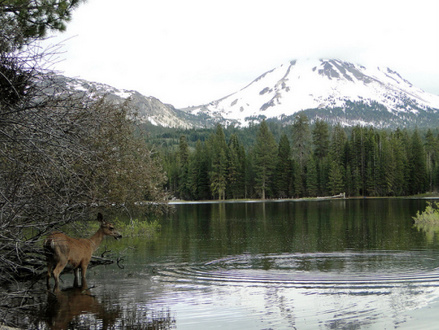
x=348 y=264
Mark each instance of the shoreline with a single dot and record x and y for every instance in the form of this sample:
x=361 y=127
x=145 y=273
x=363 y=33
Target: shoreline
x=304 y=199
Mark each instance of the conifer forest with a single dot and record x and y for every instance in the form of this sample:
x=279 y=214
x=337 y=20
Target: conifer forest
x=304 y=159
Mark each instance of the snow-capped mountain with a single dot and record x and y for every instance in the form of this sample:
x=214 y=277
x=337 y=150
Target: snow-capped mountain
x=147 y=108
x=332 y=90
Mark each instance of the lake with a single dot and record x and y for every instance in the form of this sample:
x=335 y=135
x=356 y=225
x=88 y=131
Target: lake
x=335 y=264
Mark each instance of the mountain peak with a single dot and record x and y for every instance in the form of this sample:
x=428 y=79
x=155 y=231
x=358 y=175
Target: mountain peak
x=313 y=84
x=329 y=89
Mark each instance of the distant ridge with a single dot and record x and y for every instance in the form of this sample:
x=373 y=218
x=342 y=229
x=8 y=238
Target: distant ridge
x=328 y=89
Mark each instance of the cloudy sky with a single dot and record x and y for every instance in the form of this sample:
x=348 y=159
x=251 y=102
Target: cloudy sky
x=195 y=51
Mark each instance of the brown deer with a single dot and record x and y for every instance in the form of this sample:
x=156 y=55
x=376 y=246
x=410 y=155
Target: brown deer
x=61 y=249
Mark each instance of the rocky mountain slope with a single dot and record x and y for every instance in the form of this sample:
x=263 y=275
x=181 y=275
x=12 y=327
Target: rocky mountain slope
x=148 y=109
x=332 y=90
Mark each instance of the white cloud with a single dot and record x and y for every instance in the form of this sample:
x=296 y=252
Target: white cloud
x=192 y=52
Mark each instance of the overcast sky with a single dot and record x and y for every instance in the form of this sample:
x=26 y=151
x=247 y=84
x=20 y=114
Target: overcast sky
x=195 y=51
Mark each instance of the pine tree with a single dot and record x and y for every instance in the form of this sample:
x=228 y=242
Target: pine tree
x=301 y=140
x=199 y=173
x=336 y=184
x=431 y=149
x=283 y=173
x=399 y=142
x=357 y=158
x=337 y=156
x=301 y=149
x=235 y=168
x=385 y=166
x=250 y=183
x=265 y=159
x=371 y=163
x=311 y=178
x=22 y=20
x=298 y=187
x=183 y=177
x=320 y=136
x=338 y=145
x=356 y=182
x=417 y=163
x=323 y=176
x=218 y=173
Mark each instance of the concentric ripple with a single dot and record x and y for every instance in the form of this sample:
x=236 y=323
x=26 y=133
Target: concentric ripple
x=371 y=269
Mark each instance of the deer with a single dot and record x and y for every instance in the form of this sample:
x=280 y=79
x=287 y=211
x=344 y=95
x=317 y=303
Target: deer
x=61 y=250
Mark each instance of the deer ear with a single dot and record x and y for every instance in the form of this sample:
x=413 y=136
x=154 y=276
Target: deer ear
x=100 y=217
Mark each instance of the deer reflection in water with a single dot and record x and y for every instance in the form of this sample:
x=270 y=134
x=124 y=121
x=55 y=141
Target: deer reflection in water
x=64 y=308
x=61 y=250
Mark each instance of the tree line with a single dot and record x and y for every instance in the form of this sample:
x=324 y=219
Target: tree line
x=305 y=161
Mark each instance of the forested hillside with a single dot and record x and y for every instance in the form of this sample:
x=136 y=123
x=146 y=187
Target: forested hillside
x=300 y=160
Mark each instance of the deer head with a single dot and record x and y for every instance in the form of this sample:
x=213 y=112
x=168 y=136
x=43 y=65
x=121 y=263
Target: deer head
x=108 y=228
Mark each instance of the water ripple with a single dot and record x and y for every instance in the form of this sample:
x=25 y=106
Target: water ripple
x=361 y=270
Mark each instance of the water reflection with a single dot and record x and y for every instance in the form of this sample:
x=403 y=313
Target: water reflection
x=79 y=308
x=341 y=264
x=431 y=232
x=328 y=264
x=65 y=308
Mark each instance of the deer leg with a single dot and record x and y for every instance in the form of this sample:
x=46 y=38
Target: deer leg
x=83 y=272
x=57 y=271
x=49 y=273
x=76 y=280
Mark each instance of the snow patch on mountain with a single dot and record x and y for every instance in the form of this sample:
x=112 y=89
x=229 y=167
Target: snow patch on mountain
x=318 y=84
x=147 y=109
x=332 y=90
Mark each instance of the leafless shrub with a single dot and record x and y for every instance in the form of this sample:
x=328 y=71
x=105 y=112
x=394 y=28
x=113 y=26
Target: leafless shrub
x=61 y=153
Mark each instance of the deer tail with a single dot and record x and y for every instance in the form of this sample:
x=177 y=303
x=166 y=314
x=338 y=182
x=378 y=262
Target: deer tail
x=49 y=246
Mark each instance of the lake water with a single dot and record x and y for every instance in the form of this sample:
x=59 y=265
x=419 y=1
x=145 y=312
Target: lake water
x=338 y=264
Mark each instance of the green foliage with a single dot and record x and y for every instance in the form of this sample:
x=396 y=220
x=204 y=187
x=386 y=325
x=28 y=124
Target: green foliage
x=336 y=184
x=303 y=160
x=379 y=115
x=140 y=228
x=301 y=136
x=218 y=173
x=430 y=216
x=417 y=164
x=236 y=168
x=22 y=20
x=311 y=178
x=265 y=159
x=320 y=136
x=284 y=170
